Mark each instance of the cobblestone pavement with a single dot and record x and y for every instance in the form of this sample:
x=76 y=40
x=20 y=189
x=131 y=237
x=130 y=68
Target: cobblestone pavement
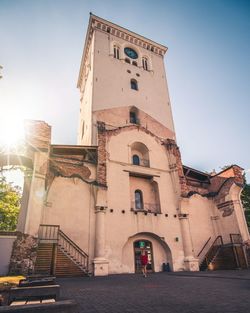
x=213 y=292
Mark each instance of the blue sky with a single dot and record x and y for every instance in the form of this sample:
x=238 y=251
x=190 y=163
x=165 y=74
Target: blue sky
x=207 y=64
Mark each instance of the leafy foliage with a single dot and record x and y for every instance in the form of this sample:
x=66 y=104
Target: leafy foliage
x=245 y=198
x=9 y=205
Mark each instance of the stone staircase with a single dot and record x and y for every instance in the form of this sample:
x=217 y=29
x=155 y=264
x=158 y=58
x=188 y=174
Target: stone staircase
x=58 y=255
x=222 y=256
x=44 y=259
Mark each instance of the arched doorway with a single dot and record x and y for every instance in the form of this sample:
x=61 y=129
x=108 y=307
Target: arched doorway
x=158 y=249
x=146 y=245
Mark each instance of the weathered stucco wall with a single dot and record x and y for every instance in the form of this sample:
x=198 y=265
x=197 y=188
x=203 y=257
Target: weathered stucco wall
x=111 y=74
x=70 y=204
x=86 y=92
x=122 y=223
x=6 y=244
x=202 y=227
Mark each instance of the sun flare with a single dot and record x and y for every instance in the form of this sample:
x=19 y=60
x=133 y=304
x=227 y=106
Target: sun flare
x=11 y=128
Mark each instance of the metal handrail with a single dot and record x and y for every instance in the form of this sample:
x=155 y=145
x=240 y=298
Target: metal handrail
x=61 y=233
x=53 y=234
x=48 y=232
x=149 y=207
x=204 y=246
x=76 y=254
x=209 y=257
x=142 y=162
x=236 y=238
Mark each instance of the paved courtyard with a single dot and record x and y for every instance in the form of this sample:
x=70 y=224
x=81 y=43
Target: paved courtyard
x=216 y=292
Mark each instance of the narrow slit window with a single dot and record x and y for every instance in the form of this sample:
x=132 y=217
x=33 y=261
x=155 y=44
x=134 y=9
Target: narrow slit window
x=132 y=117
x=138 y=200
x=145 y=63
x=134 y=84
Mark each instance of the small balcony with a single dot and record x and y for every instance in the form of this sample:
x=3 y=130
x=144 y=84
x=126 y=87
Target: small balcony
x=145 y=207
x=144 y=162
x=136 y=160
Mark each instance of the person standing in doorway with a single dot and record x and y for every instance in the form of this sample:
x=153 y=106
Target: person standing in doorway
x=144 y=262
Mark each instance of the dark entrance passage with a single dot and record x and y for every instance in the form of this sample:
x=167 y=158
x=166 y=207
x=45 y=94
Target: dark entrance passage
x=139 y=245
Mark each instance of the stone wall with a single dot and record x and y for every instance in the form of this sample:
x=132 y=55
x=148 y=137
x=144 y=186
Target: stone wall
x=38 y=134
x=23 y=256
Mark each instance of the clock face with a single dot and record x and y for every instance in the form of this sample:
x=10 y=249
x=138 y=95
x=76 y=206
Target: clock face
x=131 y=53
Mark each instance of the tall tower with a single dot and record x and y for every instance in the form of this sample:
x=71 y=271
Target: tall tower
x=122 y=80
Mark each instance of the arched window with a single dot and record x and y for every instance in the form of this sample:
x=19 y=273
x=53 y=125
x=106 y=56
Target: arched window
x=134 y=63
x=133 y=84
x=136 y=159
x=127 y=60
x=138 y=148
x=133 y=117
x=145 y=63
x=116 y=52
x=138 y=200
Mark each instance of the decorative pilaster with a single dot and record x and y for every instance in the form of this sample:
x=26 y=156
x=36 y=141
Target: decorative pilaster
x=191 y=263
x=100 y=262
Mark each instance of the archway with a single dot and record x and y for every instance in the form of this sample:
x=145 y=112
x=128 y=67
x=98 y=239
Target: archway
x=159 y=252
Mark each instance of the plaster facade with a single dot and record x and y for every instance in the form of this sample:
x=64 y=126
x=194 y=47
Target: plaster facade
x=125 y=182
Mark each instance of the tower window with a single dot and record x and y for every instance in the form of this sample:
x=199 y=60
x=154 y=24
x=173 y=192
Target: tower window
x=134 y=63
x=138 y=200
x=127 y=60
x=136 y=159
x=116 y=52
x=134 y=84
x=132 y=117
x=145 y=63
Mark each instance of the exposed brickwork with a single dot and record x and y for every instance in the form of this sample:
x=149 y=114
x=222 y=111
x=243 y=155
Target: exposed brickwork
x=119 y=117
x=173 y=149
x=220 y=184
x=117 y=131
x=226 y=207
x=23 y=255
x=238 y=177
x=233 y=171
x=196 y=189
x=102 y=154
x=38 y=135
x=68 y=166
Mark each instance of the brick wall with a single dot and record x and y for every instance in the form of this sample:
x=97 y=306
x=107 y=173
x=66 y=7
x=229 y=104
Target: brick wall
x=173 y=149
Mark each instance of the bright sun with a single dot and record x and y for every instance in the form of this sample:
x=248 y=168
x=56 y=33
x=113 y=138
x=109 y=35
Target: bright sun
x=11 y=128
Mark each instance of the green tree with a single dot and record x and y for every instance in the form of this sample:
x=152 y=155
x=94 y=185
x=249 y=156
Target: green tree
x=245 y=198
x=9 y=205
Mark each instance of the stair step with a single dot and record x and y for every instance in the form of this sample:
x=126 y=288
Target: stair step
x=67 y=265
